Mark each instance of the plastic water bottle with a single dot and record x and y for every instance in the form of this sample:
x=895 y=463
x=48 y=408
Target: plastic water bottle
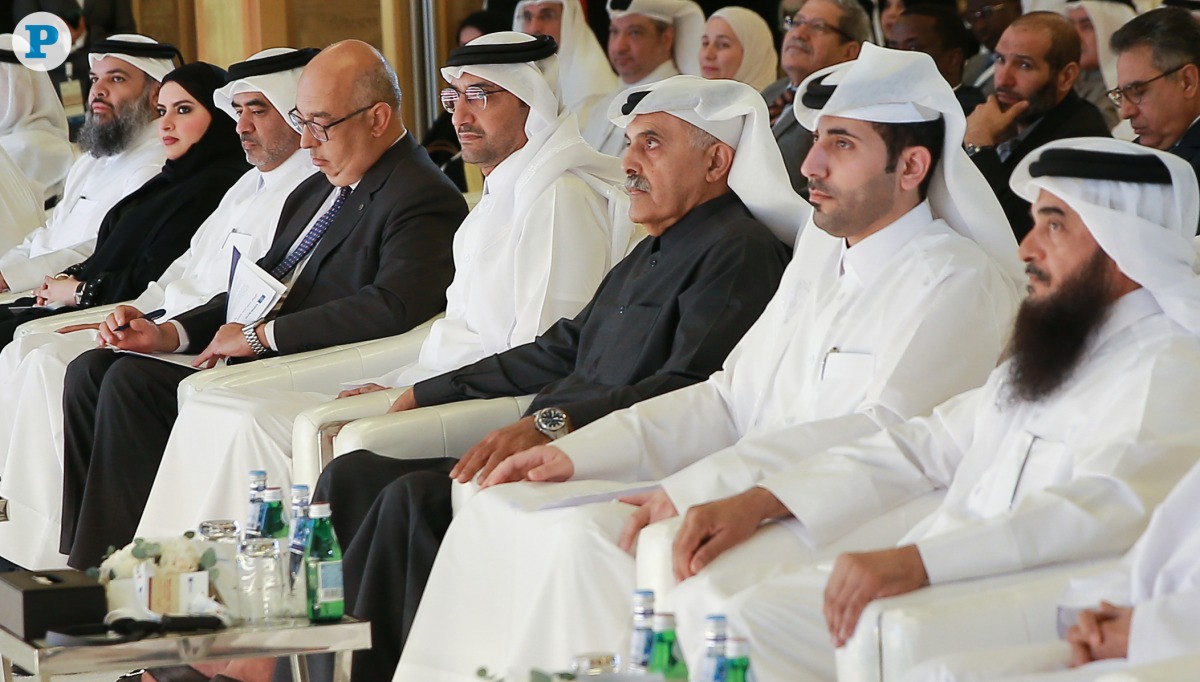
x=299 y=538
x=737 y=660
x=323 y=568
x=712 y=668
x=665 y=657
x=258 y=483
x=643 y=632
x=272 y=522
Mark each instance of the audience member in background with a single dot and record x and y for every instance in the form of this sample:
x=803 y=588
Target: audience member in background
x=737 y=45
x=584 y=74
x=90 y=21
x=147 y=230
x=440 y=140
x=1096 y=21
x=33 y=127
x=889 y=11
x=987 y=21
x=820 y=34
x=938 y=32
x=1037 y=62
x=20 y=206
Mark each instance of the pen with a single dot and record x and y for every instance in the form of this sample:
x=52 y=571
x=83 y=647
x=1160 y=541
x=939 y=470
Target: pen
x=150 y=316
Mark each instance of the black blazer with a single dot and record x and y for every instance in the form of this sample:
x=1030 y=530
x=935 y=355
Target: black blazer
x=1073 y=117
x=380 y=269
x=1188 y=149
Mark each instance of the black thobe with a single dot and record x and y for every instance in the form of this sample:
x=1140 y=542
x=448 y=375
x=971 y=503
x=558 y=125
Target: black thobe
x=665 y=317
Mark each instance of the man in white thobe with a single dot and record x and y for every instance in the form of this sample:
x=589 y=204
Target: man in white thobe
x=584 y=74
x=648 y=40
x=1061 y=455
x=1145 y=612
x=884 y=311
x=552 y=222
x=260 y=93
x=121 y=152
x=20 y=206
x=1097 y=21
x=33 y=125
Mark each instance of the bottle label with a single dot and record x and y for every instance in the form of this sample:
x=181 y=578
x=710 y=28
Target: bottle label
x=252 y=515
x=329 y=582
x=640 y=646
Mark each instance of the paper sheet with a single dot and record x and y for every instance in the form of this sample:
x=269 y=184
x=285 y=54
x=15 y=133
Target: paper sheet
x=253 y=292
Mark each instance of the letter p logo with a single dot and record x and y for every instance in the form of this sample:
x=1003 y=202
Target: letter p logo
x=42 y=41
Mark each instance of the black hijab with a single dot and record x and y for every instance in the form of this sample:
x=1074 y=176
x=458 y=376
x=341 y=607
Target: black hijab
x=147 y=230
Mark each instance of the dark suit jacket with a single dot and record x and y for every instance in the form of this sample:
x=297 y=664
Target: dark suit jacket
x=1073 y=117
x=1188 y=149
x=794 y=140
x=380 y=269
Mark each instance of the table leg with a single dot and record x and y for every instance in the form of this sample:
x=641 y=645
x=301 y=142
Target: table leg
x=341 y=671
x=299 y=668
x=8 y=674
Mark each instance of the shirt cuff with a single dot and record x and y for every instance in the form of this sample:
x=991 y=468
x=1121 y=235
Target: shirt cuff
x=183 y=337
x=269 y=333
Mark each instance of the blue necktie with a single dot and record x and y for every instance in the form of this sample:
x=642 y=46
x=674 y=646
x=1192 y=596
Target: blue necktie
x=314 y=235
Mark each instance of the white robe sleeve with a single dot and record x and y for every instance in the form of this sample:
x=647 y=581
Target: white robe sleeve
x=1165 y=627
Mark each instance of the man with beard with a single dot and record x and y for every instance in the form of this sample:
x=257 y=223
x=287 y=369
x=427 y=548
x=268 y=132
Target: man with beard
x=820 y=34
x=1037 y=62
x=121 y=152
x=894 y=302
x=1061 y=456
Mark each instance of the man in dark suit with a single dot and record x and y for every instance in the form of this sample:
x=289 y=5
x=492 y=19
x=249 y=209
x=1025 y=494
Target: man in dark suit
x=938 y=32
x=1158 y=72
x=366 y=258
x=822 y=33
x=1037 y=62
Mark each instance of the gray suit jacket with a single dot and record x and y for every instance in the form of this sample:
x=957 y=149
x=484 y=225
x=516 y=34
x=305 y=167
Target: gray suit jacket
x=380 y=269
x=794 y=140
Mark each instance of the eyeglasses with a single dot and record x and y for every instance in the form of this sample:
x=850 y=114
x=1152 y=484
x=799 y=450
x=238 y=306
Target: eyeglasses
x=475 y=96
x=321 y=130
x=814 y=25
x=984 y=12
x=1134 y=92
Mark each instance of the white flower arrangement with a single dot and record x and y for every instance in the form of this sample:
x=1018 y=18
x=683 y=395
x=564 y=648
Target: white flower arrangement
x=173 y=556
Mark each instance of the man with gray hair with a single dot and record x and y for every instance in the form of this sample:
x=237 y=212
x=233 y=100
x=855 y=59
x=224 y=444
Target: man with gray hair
x=121 y=152
x=363 y=251
x=820 y=34
x=1158 y=80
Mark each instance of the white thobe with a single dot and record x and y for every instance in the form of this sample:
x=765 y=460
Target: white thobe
x=33 y=129
x=853 y=341
x=33 y=368
x=20 y=207
x=600 y=132
x=1072 y=477
x=94 y=186
x=521 y=264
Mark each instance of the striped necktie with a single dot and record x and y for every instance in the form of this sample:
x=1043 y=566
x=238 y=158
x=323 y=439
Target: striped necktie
x=314 y=235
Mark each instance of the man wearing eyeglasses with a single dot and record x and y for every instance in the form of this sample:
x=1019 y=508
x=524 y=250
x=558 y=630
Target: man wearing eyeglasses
x=820 y=34
x=364 y=252
x=1158 y=76
x=1037 y=62
x=987 y=21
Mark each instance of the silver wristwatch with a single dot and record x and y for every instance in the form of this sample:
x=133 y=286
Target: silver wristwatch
x=251 y=334
x=552 y=422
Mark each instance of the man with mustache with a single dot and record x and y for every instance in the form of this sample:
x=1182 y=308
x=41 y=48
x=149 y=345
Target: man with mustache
x=121 y=152
x=648 y=40
x=820 y=34
x=897 y=299
x=1037 y=62
x=665 y=317
x=1061 y=456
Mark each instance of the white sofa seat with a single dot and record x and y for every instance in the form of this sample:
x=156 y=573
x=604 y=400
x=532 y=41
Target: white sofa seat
x=897 y=633
x=320 y=370
x=314 y=430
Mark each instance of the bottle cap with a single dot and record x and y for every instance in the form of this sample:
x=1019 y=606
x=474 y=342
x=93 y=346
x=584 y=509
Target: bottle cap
x=643 y=598
x=663 y=622
x=737 y=647
x=218 y=529
x=319 y=510
x=272 y=495
x=715 y=626
x=299 y=488
x=594 y=663
x=258 y=473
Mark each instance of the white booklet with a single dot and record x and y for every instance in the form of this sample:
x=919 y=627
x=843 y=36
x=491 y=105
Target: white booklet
x=253 y=292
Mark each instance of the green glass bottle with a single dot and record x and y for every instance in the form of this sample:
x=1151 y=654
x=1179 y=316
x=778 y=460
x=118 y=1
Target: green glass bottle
x=665 y=657
x=273 y=521
x=323 y=568
x=737 y=660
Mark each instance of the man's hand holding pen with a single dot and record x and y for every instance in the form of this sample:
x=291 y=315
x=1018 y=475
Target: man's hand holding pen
x=127 y=328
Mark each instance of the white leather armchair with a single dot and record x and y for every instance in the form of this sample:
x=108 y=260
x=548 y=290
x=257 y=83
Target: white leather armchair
x=440 y=431
x=319 y=370
x=897 y=633
x=9 y=297
x=45 y=325
x=1173 y=670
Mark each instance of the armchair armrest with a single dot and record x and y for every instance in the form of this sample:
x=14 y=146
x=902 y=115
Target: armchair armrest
x=314 y=430
x=320 y=370
x=897 y=633
x=1172 y=670
x=46 y=325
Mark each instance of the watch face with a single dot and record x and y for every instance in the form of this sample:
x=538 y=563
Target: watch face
x=551 y=419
